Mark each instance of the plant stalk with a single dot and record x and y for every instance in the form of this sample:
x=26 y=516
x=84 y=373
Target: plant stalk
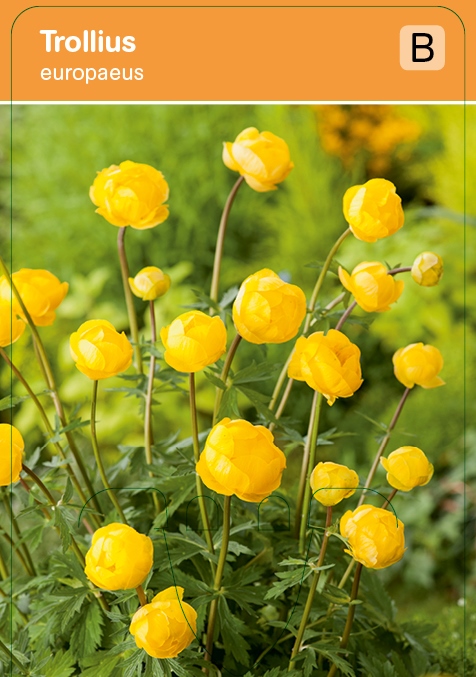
x=350 y=615
x=306 y=470
x=148 y=427
x=131 y=312
x=221 y=241
x=22 y=545
x=97 y=454
x=224 y=375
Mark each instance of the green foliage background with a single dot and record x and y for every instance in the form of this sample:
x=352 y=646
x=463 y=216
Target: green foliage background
x=58 y=149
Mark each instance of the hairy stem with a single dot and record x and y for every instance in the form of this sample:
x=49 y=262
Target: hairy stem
x=131 y=312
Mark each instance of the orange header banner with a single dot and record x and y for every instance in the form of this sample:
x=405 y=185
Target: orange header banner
x=232 y=53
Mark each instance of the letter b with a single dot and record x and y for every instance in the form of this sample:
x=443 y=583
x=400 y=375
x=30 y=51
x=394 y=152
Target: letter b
x=419 y=45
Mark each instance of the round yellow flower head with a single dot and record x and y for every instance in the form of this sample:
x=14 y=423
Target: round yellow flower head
x=373 y=210
x=407 y=468
x=372 y=287
x=11 y=454
x=374 y=538
x=240 y=458
x=427 y=269
x=329 y=363
x=40 y=291
x=262 y=159
x=267 y=309
x=150 y=283
x=132 y=194
x=99 y=350
x=331 y=482
x=193 y=341
x=119 y=558
x=11 y=328
x=419 y=365
x=166 y=626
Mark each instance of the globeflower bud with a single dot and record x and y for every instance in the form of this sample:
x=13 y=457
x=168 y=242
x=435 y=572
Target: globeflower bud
x=99 y=350
x=267 y=309
x=407 y=468
x=329 y=363
x=427 y=269
x=418 y=364
x=40 y=291
x=193 y=341
x=11 y=454
x=132 y=194
x=376 y=537
x=373 y=210
x=11 y=328
x=372 y=287
x=331 y=482
x=262 y=159
x=240 y=458
x=165 y=626
x=149 y=283
x=119 y=558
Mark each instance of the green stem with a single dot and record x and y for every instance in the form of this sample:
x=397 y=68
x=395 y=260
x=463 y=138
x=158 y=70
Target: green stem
x=390 y=498
x=312 y=591
x=345 y=315
x=3 y=568
x=221 y=242
x=317 y=406
x=350 y=615
x=224 y=375
x=74 y=545
x=131 y=312
x=218 y=577
x=16 y=528
x=50 y=382
x=13 y=659
x=97 y=454
x=51 y=433
x=148 y=428
x=196 y=453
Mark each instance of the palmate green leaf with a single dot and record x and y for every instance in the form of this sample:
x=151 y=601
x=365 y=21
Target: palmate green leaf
x=375 y=667
x=11 y=401
x=60 y=522
x=309 y=661
x=228 y=297
x=232 y=631
x=103 y=665
x=288 y=580
x=132 y=665
x=87 y=633
x=229 y=405
x=255 y=372
x=260 y=402
x=217 y=382
x=377 y=597
x=334 y=656
x=61 y=665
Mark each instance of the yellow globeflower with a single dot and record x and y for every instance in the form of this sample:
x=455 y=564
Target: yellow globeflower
x=427 y=269
x=11 y=454
x=150 y=283
x=240 y=458
x=407 y=468
x=331 y=482
x=262 y=159
x=165 y=626
x=40 y=291
x=329 y=363
x=376 y=538
x=99 y=350
x=419 y=365
x=373 y=210
x=132 y=194
x=193 y=341
x=11 y=328
x=372 y=287
x=119 y=558
x=267 y=309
